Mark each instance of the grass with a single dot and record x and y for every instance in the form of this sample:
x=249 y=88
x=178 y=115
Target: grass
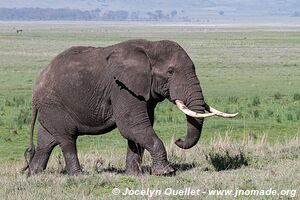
x=253 y=70
x=266 y=168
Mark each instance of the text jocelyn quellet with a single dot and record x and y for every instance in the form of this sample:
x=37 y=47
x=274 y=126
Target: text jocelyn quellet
x=197 y=192
x=166 y=192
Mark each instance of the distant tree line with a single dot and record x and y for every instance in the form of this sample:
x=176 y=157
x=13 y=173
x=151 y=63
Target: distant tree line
x=46 y=14
x=34 y=14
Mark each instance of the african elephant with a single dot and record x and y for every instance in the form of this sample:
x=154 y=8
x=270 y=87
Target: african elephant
x=89 y=90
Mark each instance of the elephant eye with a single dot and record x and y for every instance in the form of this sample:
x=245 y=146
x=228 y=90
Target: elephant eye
x=170 y=71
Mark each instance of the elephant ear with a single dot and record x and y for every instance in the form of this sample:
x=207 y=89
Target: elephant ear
x=134 y=71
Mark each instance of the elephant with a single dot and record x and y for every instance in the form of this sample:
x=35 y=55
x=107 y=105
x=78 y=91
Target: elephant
x=92 y=90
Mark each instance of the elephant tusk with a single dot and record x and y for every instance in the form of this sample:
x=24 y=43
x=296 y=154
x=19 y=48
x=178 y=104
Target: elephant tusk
x=219 y=113
x=191 y=113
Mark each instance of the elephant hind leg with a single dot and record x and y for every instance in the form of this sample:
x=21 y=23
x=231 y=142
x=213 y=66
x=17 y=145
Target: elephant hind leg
x=71 y=158
x=63 y=128
x=45 y=145
x=134 y=158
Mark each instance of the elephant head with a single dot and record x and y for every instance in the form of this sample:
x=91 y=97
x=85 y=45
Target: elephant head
x=162 y=70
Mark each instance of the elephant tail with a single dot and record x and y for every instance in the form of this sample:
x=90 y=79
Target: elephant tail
x=30 y=151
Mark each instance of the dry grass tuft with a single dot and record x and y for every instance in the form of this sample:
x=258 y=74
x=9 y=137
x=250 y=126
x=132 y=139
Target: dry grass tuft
x=225 y=155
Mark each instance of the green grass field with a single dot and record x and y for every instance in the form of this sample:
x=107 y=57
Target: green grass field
x=252 y=69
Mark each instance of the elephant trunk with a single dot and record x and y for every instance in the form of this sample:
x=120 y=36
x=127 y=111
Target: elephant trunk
x=194 y=127
x=194 y=102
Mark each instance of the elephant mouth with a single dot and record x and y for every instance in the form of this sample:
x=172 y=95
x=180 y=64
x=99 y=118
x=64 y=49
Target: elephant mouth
x=212 y=111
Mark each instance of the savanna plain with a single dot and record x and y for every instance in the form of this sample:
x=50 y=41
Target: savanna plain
x=253 y=69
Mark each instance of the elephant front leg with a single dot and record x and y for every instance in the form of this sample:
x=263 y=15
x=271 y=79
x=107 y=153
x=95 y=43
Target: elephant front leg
x=147 y=138
x=134 y=121
x=134 y=158
x=160 y=163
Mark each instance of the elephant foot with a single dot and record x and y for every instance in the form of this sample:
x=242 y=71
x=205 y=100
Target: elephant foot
x=34 y=169
x=166 y=170
x=134 y=170
x=131 y=172
x=75 y=172
x=33 y=172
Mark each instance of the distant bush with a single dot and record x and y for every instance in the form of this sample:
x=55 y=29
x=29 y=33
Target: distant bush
x=278 y=95
x=255 y=114
x=298 y=114
x=278 y=118
x=256 y=101
x=296 y=14
x=289 y=117
x=296 y=97
x=270 y=113
x=232 y=99
x=221 y=12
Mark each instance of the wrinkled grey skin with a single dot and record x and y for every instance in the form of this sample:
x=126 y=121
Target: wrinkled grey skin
x=87 y=90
